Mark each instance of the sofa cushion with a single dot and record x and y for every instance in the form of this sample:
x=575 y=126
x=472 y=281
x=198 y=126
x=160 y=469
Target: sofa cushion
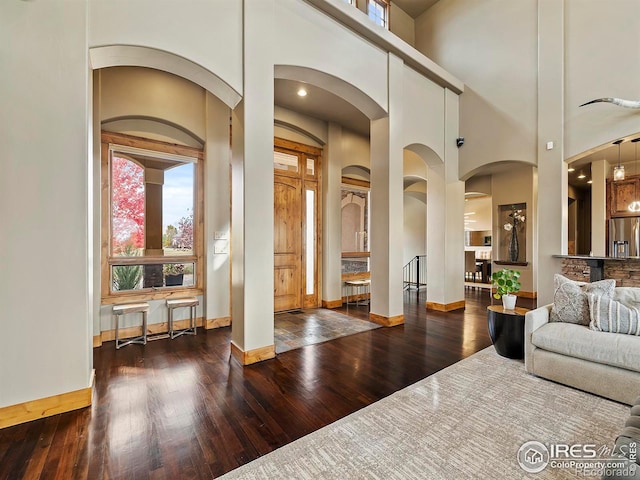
x=570 y=304
x=608 y=315
x=579 y=341
x=629 y=296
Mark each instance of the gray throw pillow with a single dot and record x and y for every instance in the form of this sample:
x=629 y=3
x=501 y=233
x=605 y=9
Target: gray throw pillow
x=570 y=303
x=607 y=315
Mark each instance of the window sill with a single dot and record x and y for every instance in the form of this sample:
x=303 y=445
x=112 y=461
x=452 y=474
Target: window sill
x=147 y=295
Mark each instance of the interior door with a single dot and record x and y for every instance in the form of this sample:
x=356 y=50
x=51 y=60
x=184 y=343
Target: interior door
x=287 y=239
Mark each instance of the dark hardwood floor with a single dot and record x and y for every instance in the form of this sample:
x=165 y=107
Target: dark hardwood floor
x=183 y=409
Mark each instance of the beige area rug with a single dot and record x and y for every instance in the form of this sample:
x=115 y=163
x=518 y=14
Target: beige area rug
x=308 y=327
x=465 y=422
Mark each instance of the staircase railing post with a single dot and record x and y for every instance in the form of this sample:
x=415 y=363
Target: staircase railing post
x=417 y=272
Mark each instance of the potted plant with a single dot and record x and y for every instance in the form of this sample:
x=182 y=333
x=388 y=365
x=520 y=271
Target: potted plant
x=507 y=284
x=173 y=274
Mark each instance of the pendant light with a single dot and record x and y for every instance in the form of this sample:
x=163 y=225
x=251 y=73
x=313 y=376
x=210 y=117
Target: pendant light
x=618 y=172
x=635 y=205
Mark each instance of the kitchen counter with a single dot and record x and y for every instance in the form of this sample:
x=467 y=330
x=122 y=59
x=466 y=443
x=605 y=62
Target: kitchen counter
x=593 y=257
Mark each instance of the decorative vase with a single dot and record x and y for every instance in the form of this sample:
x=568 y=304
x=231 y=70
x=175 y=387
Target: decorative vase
x=509 y=301
x=514 y=248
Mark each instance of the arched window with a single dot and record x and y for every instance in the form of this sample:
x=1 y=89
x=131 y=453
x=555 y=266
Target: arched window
x=152 y=209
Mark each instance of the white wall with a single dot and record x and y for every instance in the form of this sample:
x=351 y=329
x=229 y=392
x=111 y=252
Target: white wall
x=402 y=24
x=423 y=111
x=516 y=186
x=492 y=46
x=146 y=92
x=415 y=225
x=45 y=201
x=596 y=68
x=181 y=27
x=305 y=43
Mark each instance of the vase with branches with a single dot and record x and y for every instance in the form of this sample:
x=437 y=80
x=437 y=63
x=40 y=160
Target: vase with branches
x=515 y=223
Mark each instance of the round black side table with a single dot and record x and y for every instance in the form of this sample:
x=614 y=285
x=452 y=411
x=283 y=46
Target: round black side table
x=506 y=328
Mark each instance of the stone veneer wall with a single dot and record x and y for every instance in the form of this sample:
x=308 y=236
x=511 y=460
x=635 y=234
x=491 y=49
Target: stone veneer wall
x=576 y=269
x=625 y=272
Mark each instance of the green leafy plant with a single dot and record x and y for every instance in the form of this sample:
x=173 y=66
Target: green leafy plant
x=127 y=277
x=506 y=282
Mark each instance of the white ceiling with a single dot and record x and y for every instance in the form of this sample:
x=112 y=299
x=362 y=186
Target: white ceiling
x=320 y=104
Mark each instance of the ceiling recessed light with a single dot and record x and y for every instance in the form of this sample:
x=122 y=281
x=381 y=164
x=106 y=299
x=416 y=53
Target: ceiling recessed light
x=571 y=169
x=589 y=181
x=581 y=176
x=302 y=92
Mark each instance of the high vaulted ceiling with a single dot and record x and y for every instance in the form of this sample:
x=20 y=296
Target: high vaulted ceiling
x=414 y=8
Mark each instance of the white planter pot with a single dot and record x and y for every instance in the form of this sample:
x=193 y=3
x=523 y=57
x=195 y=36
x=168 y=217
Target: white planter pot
x=509 y=301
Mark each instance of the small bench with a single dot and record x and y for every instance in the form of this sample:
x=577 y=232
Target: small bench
x=124 y=309
x=174 y=303
x=356 y=285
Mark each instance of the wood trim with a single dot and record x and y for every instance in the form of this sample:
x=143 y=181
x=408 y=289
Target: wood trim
x=356 y=297
x=152 y=260
x=507 y=263
x=527 y=294
x=386 y=321
x=46 y=407
x=356 y=182
x=445 y=307
x=152 y=329
x=521 y=293
x=356 y=254
x=217 y=322
x=298 y=147
x=331 y=303
x=356 y=276
x=148 y=144
x=97 y=341
x=107 y=296
x=150 y=294
x=105 y=279
x=252 y=356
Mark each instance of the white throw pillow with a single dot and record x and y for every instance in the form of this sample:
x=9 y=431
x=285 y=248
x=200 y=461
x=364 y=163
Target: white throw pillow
x=570 y=303
x=608 y=315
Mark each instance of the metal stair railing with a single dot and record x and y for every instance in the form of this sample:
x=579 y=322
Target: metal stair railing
x=414 y=273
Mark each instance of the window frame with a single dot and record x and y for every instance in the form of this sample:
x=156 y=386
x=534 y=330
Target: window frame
x=386 y=4
x=110 y=141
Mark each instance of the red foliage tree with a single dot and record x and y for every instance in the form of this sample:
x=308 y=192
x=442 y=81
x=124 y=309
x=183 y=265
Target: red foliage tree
x=185 y=231
x=127 y=204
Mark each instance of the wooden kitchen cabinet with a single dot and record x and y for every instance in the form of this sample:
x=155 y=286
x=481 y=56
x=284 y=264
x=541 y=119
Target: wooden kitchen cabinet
x=622 y=193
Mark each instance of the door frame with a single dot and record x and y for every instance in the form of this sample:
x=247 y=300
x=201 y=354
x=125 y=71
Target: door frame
x=310 y=181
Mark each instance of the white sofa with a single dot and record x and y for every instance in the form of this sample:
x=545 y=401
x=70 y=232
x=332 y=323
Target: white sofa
x=606 y=364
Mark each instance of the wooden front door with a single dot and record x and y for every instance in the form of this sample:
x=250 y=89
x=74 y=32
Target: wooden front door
x=287 y=243
x=296 y=223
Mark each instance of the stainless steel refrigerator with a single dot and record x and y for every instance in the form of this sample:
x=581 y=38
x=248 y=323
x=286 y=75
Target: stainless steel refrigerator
x=624 y=237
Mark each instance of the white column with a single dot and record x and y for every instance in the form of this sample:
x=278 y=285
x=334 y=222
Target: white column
x=445 y=221
x=252 y=193
x=387 y=206
x=552 y=170
x=332 y=219
x=216 y=213
x=599 y=170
